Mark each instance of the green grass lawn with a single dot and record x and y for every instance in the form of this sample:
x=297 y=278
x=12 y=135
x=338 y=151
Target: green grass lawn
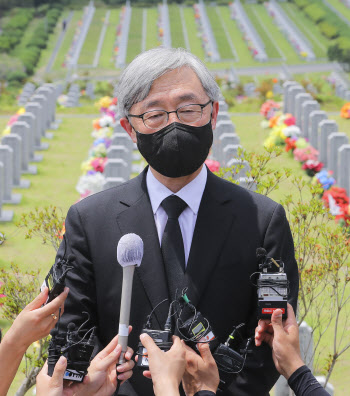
x=343 y=9
x=26 y=37
x=270 y=48
x=67 y=41
x=177 y=36
x=192 y=31
x=319 y=42
x=219 y=33
x=88 y=51
x=106 y=59
x=135 y=34
x=152 y=30
x=245 y=57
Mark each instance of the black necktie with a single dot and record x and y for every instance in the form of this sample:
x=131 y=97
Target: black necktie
x=172 y=244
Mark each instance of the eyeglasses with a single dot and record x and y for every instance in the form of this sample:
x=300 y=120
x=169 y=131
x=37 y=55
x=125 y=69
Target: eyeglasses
x=157 y=119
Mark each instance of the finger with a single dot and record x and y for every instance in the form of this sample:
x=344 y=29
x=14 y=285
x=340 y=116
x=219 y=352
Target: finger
x=148 y=343
x=108 y=349
x=129 y=353
x=276 y=320
x=58 y=373
x=125 y=376
x=204 y=350
x=147 y=374
x=43 y=371
x=291 y=320
x=127 y=366
x=110 y=359
x=38 y=300
x=55 y=304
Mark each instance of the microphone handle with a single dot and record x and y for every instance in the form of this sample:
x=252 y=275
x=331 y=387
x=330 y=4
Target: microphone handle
x=128 y=274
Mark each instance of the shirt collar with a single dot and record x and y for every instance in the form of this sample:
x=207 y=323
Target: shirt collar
x=192 y=193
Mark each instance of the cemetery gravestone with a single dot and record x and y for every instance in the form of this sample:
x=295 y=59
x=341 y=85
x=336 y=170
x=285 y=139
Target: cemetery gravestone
x=228 y=152
x=36 y=109
x=326 y=128
x=122 y=139
x=224 y=126
x=224 y=140
x=335 y=141
x=14 y=141
x=22 y=130
x=29 y=118
x=41 y=99
x=6 y=154
x=292 y=93
x=5 y=215
x=286 y=86
x=117 y=168
x=307 y=108
x=121 y=152
x=299 y=100
x=315 y=118
x=223 y=116
x=344 y=167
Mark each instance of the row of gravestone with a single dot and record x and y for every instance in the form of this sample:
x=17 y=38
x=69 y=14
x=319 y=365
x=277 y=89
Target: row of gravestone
x=122 y=39
x=323 y=134
x=164 y=23
x=288 y=28
x=226 y=146
x=18 y=148
x=73 y=96
x=341 y=86
x=26 y=93
x=245 y=25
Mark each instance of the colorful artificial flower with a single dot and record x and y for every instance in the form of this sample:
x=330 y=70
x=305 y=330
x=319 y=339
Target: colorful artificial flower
x=325 y=178
x=290 y=144
x=213 y=165
x=98 y=164
x=105 y=132
x=269 y=108
x=345 y=111
x=92 y=183
x=302 y=143
x=98 y=150
x=292 y=130
x=312 y=167
x=305 y=154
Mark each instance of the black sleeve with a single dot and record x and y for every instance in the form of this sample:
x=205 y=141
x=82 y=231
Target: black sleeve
x=259 y=373
x=205 y=393
x=303 y=383
x=80 y=280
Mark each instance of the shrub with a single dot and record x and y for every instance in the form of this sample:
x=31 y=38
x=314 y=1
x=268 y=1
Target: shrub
x=328 y=30
x=18 y=76
x=301 y=3
x=315 y=13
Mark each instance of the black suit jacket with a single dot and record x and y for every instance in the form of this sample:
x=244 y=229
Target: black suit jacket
x=232 y=223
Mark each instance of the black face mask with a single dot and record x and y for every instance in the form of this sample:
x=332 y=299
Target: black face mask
x=177 y=149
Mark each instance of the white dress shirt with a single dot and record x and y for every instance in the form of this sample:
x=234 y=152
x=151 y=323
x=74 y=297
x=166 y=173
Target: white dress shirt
x=192 y=194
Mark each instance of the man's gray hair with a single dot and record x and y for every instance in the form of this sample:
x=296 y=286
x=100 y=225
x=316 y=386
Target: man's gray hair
x=136 y=80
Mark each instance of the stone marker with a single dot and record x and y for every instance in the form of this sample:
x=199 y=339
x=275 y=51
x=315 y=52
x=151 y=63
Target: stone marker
x=344 y=167
x=292 y=93
x=242 y=172
x=113 y=182
x=29 y=118
x=117 y=168
x=14 y=141
x=286 y=86
x=118 y=128
x=306 y=109
x=228 y=152
x=224 y=140
x=43 y=101
x=36 y=109
x=122 y=139
x=326 y=128
x=247 y=183
x=223 y=116
x=335 y=141
x=223 y=106
x=5 y=215
x=299 y=100
x=6 y=154
x=224 y=126
x=315 y=118
x=21 y=129
x=122 y=152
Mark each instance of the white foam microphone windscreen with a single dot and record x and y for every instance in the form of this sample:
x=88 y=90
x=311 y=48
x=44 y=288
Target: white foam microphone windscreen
x=129 y=255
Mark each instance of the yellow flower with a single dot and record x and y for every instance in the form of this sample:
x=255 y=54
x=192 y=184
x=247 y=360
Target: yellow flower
x=21 y=110
x=6 y=131
x=86 y=166
x=269 y=95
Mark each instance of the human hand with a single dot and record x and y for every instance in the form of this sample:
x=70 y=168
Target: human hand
x=166 y=368
x=53 y=386
x=102 y=378
x=35 y=321
x=283 y=338
x=201 y=371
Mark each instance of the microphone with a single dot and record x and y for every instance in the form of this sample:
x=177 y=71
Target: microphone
x=129 y=255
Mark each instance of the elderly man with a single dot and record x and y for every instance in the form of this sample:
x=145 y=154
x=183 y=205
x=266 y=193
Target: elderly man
x=198 y=230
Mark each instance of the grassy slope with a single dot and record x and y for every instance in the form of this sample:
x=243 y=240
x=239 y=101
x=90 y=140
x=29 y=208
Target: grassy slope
x=88 y=51
x=152 y=30
x=67 y=41
x=106 y=58
x=244 y=55
x=26 y=37
x=319 y=42
x=219 y=33
x=46 y=53
x=177 y=37
x=340 y=7
x=135 y=34
x=193 y=35
x=270 y=47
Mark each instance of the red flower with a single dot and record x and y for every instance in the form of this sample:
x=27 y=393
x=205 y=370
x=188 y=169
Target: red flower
x=338 y=194
x=290 y=144
x=213 y=166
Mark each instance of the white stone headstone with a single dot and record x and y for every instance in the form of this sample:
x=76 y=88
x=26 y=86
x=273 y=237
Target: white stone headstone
x=335 y=141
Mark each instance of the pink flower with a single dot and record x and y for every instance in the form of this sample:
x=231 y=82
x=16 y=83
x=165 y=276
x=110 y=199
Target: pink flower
x=213 y=165
x=304 y=154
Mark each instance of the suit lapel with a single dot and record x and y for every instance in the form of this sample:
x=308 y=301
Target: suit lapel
x=213 y=223
x=138 y=218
